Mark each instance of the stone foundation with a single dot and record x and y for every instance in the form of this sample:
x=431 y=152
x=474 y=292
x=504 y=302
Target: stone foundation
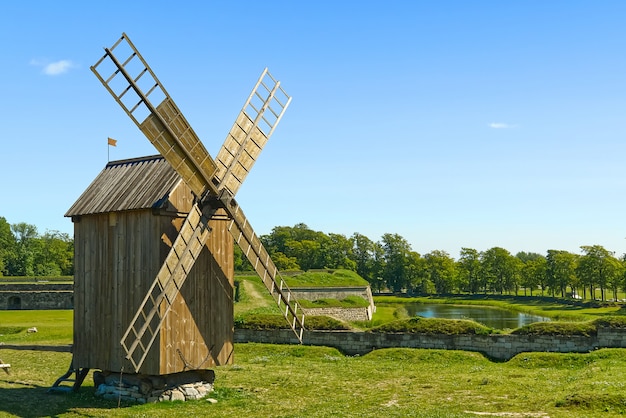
x=138 y=388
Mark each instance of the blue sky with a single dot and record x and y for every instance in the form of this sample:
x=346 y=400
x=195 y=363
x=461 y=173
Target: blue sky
x=452 y=123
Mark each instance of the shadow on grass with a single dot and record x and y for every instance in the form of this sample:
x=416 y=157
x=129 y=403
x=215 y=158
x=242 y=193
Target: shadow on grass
x=28 y=400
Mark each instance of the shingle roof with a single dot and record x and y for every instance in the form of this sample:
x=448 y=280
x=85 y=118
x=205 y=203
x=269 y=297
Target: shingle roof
x=138 y=183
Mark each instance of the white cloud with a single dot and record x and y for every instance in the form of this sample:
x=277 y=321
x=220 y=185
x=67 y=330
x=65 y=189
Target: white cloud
x=54 y=68
x=59 y=67
x=500 y=125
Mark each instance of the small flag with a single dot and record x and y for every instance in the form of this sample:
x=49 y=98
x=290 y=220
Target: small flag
x=113 y=142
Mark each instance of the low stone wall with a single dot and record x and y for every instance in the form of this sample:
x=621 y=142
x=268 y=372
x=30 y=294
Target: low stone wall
x=500 y=347
x=36 y=296
x=339 y=293
x=345 y=314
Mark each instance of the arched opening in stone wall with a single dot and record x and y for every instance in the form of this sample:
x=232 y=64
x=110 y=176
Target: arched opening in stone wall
x=15 y=302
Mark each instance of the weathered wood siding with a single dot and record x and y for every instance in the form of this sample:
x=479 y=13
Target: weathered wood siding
x=117 y=256
x=198 y=332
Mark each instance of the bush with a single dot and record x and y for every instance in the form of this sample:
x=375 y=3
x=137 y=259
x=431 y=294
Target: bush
x=35 y=279
x=584 y=329
x=272 y=321
x=611 y=322
x=419 y=325
x=11 y=330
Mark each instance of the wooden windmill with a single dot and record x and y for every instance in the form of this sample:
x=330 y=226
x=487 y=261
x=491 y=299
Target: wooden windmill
x=213 y=184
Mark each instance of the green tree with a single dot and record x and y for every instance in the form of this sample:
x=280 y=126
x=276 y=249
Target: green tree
x=501 y=269
x=441 y=271
x=363 y=256
x=598 y=268
x=7 y=246
x=468 y=270
x=378 y=267
x=276 y=240
x=339 y=252
x=53 y=254
x=307 y=252
x=22 y=263
x=561 y=271
x=533 y=273
x=284 y=263
x=417 y=274
x=397 y=251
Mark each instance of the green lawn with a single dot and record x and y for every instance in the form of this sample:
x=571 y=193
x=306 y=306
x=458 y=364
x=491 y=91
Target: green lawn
x=295 y=381
x=298 y=381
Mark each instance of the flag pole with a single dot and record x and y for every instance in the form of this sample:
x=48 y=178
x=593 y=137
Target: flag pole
x=110 y=143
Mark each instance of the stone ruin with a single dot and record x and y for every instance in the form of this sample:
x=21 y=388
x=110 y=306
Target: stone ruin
x=138 y=388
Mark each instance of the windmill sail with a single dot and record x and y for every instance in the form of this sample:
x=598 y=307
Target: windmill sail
x=135 y=87
x=250 y=132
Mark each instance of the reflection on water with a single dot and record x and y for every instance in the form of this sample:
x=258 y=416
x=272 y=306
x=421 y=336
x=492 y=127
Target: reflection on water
x=492 y=317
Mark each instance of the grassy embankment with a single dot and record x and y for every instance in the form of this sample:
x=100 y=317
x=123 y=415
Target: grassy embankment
x=579 y=315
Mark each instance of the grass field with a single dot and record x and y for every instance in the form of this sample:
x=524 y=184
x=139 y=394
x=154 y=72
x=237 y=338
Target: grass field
x=297 y=381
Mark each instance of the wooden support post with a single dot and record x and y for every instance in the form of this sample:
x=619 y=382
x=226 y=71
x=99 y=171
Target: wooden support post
x=4 y=366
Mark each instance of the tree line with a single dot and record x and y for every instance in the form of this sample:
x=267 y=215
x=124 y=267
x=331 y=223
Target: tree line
x=388 y=264
x=391 y=265
x=25 y=252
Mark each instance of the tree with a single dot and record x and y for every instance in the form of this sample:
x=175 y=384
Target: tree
x=363 y=256
x=417 y=274
x=598 y=268
x=468 y=269
x=7 y=245
x=525 y=256
x=441 y=271
x=22 y=262
x=53 y=254
x=339 y=252
x=284 y=263
x=396 y=252
x=307 y=252
x=500 y=269
x=533 y=273
x=561 y=270
x=378 y=266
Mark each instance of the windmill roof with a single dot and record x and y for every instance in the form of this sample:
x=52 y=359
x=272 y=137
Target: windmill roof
x=138 y=183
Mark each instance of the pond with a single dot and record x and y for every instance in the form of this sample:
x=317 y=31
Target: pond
x=497 y=318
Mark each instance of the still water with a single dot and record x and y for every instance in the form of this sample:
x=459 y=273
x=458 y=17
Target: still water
x=492 y=317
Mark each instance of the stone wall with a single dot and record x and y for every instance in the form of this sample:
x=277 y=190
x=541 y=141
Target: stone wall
x=339 y=293
x=345 y=314
x=500 y=347
x=36 y=296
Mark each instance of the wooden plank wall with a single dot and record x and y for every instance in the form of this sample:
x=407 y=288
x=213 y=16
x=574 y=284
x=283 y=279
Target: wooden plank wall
x=198 y=332
x=117 y=256
x=117 y=261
